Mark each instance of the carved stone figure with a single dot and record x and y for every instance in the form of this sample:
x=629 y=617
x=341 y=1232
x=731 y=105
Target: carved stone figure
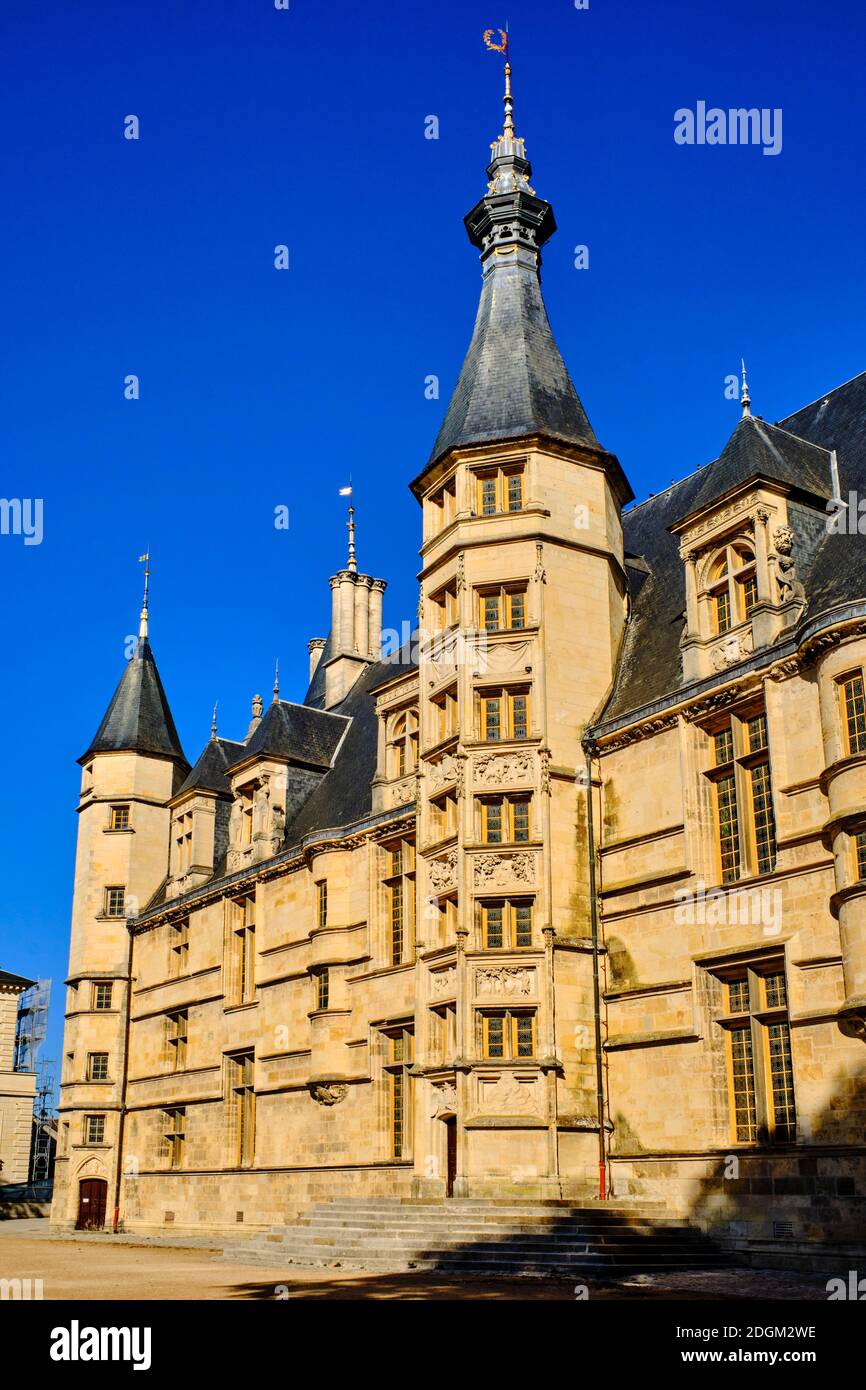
x=329 y=1095
x=235 y=819
x=786 y=566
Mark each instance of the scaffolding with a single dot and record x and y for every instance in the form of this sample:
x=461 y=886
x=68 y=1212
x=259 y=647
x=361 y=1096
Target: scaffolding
x=32 y=1025
x=30 y=1032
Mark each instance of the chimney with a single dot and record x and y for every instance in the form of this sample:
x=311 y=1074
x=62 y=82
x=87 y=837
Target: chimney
x=315 y=647
x=374 y=642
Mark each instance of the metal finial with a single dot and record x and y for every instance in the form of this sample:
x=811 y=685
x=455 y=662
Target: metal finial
x=143 y=621
x=347 y=492
x=745 y=398
x=213 y=725
x=353 y=563
x=508 y=102
x=277 y=681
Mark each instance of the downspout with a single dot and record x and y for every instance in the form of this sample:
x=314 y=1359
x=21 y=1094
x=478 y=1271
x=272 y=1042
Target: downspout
x=588 y=748
x=121 y=1119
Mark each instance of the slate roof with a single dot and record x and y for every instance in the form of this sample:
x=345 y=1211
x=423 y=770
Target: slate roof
x=209 y=773
x=758 y=449
x=513 y=381
x=8 y=980
x=138 y=720
x=298 y=732
x=650 y=664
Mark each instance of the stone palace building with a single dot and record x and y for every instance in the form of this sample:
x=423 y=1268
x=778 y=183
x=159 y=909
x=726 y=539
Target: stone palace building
x=567 y=896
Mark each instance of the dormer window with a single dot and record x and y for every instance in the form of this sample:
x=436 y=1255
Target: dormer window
x=404 y=744
x=733 y=587
x=183 y=841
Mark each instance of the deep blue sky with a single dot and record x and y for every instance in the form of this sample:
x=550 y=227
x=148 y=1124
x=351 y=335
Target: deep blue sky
x=261 y=388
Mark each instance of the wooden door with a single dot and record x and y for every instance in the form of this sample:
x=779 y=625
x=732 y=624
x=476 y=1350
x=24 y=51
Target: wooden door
x=92 y=1197
x=451 y=1159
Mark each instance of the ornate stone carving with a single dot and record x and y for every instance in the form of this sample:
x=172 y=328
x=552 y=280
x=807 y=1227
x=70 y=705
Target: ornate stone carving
x=504 y=870
x=461 y=572
x=540 y=575
x=497 y=769
x=404 y=791
x=544 y=759
x=735 y=647
x=509 y=1096
x=720 y=699
x=443 y=1100
x=443 y=982
x=640 y=731
x=443 y=872
x=786 y=565
x=443 y=771
x=510 y=981
x=329 y=1095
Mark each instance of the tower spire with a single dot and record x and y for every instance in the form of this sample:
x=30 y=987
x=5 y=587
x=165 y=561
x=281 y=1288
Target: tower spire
x=277 y=681
x=143 y=620
x=745 y=398
x=213 y=724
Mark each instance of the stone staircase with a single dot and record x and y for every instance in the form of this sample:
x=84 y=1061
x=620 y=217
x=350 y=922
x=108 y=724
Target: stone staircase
x=554 y=1238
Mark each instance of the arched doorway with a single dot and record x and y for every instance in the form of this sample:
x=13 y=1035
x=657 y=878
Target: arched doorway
x=92 y=1200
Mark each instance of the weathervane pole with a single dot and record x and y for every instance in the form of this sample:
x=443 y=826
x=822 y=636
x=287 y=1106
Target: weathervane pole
x=143 y=621
x=508 y=128
x=745 y=398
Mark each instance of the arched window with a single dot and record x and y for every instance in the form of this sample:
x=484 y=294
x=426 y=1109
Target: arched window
x=404 y=744
x=732 y=586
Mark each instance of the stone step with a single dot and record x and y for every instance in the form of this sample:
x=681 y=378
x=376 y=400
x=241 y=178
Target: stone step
x=413 y=1223
x=458 y=1237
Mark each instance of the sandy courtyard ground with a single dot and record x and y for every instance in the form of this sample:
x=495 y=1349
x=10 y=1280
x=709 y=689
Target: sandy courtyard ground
x=103 y=1267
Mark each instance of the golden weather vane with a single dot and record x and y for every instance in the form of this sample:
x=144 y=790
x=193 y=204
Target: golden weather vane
x=508 y=128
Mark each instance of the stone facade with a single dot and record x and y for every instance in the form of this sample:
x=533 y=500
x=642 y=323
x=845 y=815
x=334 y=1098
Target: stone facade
x=568 y=893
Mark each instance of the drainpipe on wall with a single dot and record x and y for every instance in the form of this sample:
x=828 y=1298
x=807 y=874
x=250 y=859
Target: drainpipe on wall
x=123 y=1076
x=589 y=748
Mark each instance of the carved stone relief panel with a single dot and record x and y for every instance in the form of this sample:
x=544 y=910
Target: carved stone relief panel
x=507 y=981
x=503 y=769
x=504 y=870
x=508 y=1094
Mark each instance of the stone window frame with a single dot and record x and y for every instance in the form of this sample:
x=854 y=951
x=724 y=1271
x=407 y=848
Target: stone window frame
x=397 y=1052
x=509 y=906
x=94 y=1129
x=511 y=1020
x=744 y=758
x=403 y=743
x=174 y=1135
x=96 y=987
x=711 y=583
x=178 y=948
x=505 y=694
x=398 y=881
x=97 y=1066
x=500 y=475
x=852 y=712
x=754 y=1013
x=506 y=802
x=119 y=811
x=114 y=905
